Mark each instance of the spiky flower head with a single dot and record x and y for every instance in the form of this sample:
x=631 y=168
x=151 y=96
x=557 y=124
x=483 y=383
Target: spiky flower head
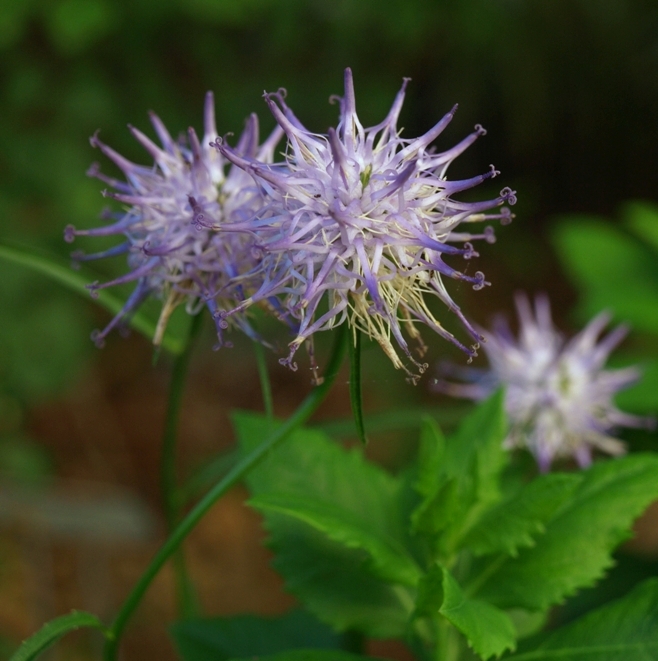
x=170 y=220
x=558 y=397
x=358 y=225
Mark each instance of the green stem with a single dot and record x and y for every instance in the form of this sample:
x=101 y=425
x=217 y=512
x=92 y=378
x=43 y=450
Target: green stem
x=213 y=471
x=265 y=384
x=355 y=386
x=301 y=415
x=447 y=648
x=168 y=480
x=410 y=417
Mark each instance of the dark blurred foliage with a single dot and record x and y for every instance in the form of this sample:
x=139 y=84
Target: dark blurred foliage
x=567 y=90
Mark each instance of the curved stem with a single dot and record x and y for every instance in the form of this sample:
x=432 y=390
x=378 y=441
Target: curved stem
x=305 y=410
x=77 y=281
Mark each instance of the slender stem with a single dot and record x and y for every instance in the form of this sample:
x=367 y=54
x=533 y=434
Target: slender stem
x=395 y=419
x=355 y=386
x=168 y=482
x=448 y=648
x=185 y=597
x=205 y=477
x=265 y=384
x=305 y=410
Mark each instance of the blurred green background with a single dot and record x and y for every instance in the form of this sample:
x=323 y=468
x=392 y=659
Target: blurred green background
x=567 y=90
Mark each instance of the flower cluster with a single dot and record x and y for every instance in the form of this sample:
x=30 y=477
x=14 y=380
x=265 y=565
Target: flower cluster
x=352 y=226
x=558 y=397
x=174 y=212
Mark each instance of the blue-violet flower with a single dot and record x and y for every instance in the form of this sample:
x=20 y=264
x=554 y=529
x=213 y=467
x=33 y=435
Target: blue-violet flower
x=558 y=397
x=357 y=226
x=171 y=220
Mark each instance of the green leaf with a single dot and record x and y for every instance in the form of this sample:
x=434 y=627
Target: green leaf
x=313 y=655
x=77 y=281
x=478 y=447
x=355 y=386
x=52 y=631
x=643 y=396
x=489 y=631
x=613 y=269
x=440 y=496
x=218 y=639
x=527 y=623
x=333 y=581
x=576 y=549
x=624 y=630
x=389 y=560
x=642 y=219
x=516 y=521
x=459 y=478
x=431 y=451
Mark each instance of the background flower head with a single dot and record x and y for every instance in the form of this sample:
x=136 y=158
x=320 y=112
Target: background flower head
x=359 y=224
x=171 y=221
x=558 y=397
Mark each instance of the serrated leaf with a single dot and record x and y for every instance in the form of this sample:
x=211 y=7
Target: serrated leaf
x=219 y=639
x=438 y=510
x=439 y=492
x=467 y=468
x=388 y=558
x=329 y=578
x=576 y=549
x=527 y=623
x=52 y=631
x=479 y=441
x=313 y=655
x=488 y=630
x=517 y=521
x=624 y=630
x=432 y=447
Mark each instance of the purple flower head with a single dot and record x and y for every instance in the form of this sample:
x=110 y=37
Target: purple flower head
x=358 y=226
x=558 y=397
x=170 y=223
